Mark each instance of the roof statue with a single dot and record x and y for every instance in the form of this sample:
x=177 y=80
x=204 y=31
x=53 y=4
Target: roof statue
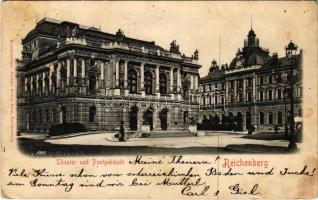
x=75 y=31
x=174 y=48
x=120 y=35
x=196 y=54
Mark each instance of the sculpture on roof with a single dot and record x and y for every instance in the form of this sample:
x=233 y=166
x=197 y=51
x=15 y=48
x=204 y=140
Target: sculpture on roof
x=120 y=35
x=75 y=31
x=174 y=48
x=196 y=54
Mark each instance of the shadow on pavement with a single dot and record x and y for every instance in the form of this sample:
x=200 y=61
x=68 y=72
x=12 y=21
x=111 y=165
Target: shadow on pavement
x=257 y=148
x=266 y=136
x=32 y=147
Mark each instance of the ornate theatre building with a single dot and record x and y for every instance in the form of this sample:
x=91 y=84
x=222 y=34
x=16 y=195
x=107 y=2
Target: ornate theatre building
x=73 y=73
x=248 y=91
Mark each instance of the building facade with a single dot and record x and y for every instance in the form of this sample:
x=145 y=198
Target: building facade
x=78 y=74
x=249 y=91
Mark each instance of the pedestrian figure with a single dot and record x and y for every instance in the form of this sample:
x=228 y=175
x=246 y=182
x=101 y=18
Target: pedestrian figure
x=122 y=132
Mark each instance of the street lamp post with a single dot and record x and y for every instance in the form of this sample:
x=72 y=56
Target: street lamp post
x=288 y=79
x=291 y=50
x=285 y=93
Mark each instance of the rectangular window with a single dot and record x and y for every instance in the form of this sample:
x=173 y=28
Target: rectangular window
x=240 y=83
x=240 y=97
x=249 y=96
x=270 y=79
x=279 y=94
x=270 y=97
x=261 y=97
x=231 y=97
x=249 y=82
x=261 y=80
x=231 y=84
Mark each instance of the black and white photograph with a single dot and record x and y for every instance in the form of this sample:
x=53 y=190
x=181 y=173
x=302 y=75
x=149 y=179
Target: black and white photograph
x=82 y=89
x=159 y=99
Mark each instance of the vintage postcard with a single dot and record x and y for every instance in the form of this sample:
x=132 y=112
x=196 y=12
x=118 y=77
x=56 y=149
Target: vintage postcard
x=159 y=100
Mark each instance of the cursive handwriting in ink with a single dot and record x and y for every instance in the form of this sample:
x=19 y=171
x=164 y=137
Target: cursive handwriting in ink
x=237 y=189
x=15 y=172
x=138 y=160
x=304 y=172
x=187 y=191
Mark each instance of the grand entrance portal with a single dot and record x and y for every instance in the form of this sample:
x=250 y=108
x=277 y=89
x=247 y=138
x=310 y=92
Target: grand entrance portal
x=133 y=118
x=164 y=119
x=148 y=119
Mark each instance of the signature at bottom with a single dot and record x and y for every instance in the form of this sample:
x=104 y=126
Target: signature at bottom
x=237 y=189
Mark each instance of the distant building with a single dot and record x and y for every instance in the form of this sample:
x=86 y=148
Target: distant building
x=247 y=92
x=72 y=73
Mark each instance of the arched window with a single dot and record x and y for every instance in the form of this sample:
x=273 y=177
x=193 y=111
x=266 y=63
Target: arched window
x=148 y=82
x=132 y=81
x=28 y=89
x=261 y=118
x=92 y=113
x=163 y=84
x=63 y=77
x=270 y=118
x=92 y=83
x=63 y=115
x=40 y=83
x=46 y=80
x=280 y=117
x=53 y=79
x=33 y=88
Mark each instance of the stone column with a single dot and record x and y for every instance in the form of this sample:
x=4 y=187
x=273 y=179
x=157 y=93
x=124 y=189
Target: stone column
x=37 y=85
x=102 y=74
x=58 y=74
x=157 y=80
x=31 y=86
x=142 y=74
x=226 y=91
x=43 y=83
x=68 y=71
x=196 y=82
x=178 y=80
x=50 y=80
x=126 y=74
x=254 y=88
x=117 y=73
x=171 y=80
x=244 y=89
x=235 y=90
x=126 y=91
x=83 y=72
x=25 y=85
x=191 y=82
x=75 y=71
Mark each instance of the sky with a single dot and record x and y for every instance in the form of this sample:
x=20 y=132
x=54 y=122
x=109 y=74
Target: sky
x=194 y=25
